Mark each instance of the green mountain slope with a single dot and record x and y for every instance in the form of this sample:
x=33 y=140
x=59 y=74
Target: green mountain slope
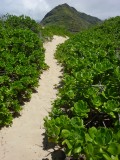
x=69 y=18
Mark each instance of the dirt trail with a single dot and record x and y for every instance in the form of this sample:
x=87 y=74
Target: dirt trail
x=24 y=139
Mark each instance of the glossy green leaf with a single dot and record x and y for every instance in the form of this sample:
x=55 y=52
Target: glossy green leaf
x=65 y=133
x=114 y=149
x=80 y=108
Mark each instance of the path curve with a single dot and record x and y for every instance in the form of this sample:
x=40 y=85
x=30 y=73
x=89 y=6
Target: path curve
x=24 y=140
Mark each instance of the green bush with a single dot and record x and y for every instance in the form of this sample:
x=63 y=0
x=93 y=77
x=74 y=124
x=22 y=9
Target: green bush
x=21 y=63
x=85 y=118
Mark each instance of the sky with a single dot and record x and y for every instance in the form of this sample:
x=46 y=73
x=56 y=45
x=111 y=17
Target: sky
x=37 y=9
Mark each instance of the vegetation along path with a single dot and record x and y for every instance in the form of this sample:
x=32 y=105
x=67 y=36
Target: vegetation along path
x=24 y=139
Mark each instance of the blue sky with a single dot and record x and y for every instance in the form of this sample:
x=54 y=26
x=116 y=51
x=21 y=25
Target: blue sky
x=37 y=9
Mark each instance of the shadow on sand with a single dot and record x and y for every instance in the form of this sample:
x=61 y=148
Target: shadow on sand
x=57 y=153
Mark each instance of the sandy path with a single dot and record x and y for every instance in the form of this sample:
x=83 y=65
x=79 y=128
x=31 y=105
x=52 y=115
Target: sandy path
x=24 y=140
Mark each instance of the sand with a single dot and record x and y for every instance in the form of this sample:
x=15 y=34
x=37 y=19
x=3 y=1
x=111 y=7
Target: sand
x=24 y=139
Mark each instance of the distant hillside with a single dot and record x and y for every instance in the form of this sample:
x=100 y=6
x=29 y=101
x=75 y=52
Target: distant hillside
x=69 y=18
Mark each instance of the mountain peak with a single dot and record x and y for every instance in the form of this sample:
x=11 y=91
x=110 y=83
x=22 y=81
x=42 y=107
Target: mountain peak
x=68 y=17
x=64 y=4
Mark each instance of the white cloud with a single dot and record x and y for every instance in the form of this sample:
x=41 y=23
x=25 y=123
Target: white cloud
x=38 y=8
x=30 y=4
x=34 y=8
x=38 y=4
